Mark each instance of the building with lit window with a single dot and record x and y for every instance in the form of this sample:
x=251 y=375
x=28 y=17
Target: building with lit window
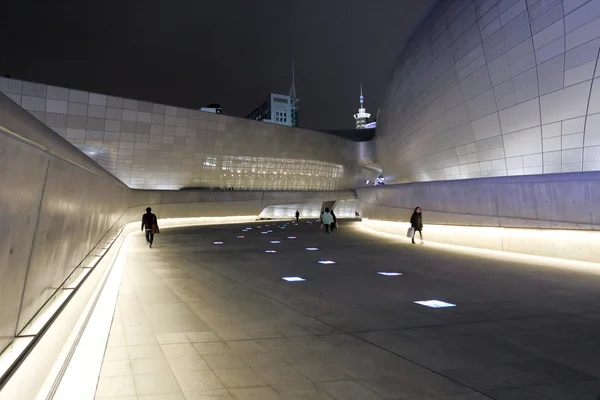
x=278 y=109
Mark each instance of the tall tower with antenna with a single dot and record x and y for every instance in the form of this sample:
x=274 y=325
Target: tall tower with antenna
x=362 y=116
x=293 y=99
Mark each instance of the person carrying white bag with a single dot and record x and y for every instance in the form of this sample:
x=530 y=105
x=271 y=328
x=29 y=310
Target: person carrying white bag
x=416 y=225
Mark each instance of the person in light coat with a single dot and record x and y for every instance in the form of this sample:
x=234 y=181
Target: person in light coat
x=326 y=220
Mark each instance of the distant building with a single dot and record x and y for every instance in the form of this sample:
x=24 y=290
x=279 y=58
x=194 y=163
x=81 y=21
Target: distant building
x=362 y=116
x=279 y=108
x=212 y=108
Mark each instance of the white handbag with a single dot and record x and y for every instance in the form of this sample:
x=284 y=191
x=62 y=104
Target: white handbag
x=411 y=232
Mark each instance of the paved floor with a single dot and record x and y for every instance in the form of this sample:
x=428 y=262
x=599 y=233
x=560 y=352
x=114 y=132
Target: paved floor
x=197 y=320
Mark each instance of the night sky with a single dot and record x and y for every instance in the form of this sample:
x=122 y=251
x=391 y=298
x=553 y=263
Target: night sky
x=233 y=52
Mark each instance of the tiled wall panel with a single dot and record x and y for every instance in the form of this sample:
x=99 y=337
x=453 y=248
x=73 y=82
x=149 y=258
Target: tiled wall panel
x=155 y=146
x=521 y=73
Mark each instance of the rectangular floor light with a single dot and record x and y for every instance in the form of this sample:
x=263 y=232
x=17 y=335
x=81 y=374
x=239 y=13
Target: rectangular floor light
x=435 y=304
x=293 y=279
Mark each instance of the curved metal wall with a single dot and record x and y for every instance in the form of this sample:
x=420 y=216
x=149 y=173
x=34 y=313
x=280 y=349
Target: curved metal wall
x=60 y=209
x=57 y=205
x=154 y=146
x=491 y=88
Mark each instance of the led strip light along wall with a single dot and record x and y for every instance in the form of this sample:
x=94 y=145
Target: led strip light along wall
x=64 y=372
x=573 y=250
x=78 y=375
x=12 y=357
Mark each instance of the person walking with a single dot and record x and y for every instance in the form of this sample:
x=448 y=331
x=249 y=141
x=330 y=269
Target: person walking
x=334 y=221
x=297 y=216
x=326 y=220
x=416 y=222
x=150 y=224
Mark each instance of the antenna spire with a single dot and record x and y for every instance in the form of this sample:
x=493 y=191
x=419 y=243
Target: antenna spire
x=361 y=96
x=293 y=99
x=293 y=88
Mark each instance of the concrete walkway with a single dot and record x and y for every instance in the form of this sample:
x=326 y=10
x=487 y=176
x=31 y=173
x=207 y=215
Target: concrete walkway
x=196 y=320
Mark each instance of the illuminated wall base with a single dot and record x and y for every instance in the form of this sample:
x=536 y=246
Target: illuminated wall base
x=307 y=210
x=177 y=222
x=564 y=244
x=55 y=331
x=343 y=209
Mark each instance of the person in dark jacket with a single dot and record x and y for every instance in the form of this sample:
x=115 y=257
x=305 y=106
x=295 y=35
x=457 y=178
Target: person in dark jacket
x=297 y=216
x=150 y=224
x=416 y=222
x=333 y=221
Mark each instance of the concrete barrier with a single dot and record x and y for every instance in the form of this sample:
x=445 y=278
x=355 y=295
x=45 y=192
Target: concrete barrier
x=544 y=215
x=560 y=201
x=569 y=245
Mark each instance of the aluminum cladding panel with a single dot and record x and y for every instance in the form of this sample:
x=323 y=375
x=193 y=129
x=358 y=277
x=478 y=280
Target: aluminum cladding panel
x=521 y=75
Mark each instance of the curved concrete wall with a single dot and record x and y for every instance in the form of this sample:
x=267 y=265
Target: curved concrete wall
x=565 y=201
x=345 y=208
x=59 y=208
x=490 y=88
x=56 y=206
x=154 y=146
x=177 y=204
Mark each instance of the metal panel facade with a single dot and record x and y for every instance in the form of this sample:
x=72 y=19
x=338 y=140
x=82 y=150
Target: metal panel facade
x=490 y=88
x=155 y=146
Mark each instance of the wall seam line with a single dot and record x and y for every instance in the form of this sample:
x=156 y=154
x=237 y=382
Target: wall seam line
x=539 y=101
x=587 y=109
x=33 y=241
x=497 y=112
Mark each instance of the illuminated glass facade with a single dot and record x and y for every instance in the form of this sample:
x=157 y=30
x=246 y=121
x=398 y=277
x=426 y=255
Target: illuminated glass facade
x=269 y=173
